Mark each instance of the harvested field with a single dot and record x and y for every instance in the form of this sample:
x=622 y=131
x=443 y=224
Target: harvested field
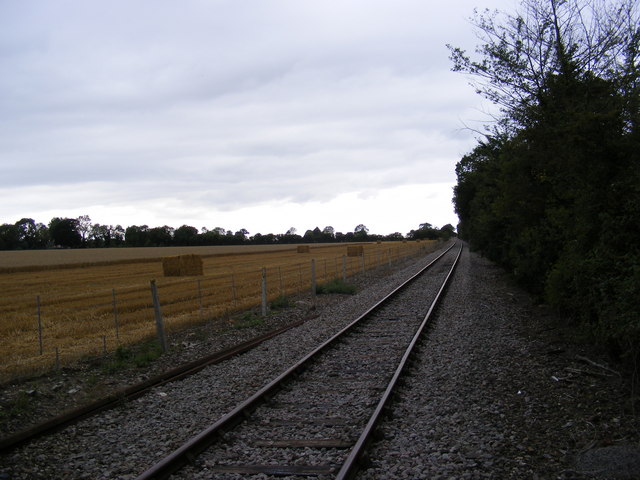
x=57 y=258
x=88 y=301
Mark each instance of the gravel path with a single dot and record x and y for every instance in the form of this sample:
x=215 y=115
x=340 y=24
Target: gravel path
x=500 y=393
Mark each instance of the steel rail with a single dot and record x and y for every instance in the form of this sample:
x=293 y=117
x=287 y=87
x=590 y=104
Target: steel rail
x=352 y=464
x=196 y=445
x=134 y=391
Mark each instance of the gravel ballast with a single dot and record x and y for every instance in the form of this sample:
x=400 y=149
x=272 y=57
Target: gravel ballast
x=499 y=392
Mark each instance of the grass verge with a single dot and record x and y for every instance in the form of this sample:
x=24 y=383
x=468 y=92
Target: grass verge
x=336 y=285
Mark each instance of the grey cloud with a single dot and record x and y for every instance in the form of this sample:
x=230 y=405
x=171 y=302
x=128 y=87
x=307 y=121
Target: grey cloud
x=228 y=104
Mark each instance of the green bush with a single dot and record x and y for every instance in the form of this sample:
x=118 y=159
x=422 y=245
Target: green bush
x=125 y=357
x=336 y=285
x=249 y=320
x=280 y=303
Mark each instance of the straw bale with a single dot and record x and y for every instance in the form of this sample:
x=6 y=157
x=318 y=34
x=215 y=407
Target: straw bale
x=182 y=265
x=171 y=266
x=191 y=265
x=303 y=249
x=355 y=251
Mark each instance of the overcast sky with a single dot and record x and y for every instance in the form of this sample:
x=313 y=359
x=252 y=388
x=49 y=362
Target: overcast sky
x=256 y=114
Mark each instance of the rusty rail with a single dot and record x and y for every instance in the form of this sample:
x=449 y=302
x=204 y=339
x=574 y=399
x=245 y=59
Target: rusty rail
x=192 y=448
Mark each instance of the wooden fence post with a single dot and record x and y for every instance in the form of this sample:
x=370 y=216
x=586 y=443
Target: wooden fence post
x=39 y=323
x=57 y=364
x=313 y=277
x=233 y=289
x=344 y=268
x=162 y=339
x=115 y=314
x=300 y=271
x=264 y=291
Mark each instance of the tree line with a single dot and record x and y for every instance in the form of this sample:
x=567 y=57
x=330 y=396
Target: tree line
x=552 y=189
x=80 y=232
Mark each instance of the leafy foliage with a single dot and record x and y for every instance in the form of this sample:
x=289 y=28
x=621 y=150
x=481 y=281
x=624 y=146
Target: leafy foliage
x=125 y=357
x=64 y=232
x=279 y=303
x=337 y=285
x=249 y=320
x=553 y=192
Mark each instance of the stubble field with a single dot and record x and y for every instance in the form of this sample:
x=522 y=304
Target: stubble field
x=57 y=306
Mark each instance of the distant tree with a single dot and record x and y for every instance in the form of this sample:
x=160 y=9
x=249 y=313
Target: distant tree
x=424 y=232
x=309 y=236
x=137 y=236
x=161 y=236
x=64 y=232
x=106 y=236
x=9 y=237
x=84 y=227
x=447 y=231
x=117 y=235
x=290 y=236
x=208 y=237
x=328 y=233
x=361 y=233
x=394 y=237
x=318 y=236
x=185 y=235
x=31 y=234
x=259 y=239
x=240 y=236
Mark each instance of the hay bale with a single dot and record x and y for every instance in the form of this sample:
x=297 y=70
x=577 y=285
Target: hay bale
x=355 y=251
x=303 y=249
x=171 y=266
x=182 y=265
x=191 y=265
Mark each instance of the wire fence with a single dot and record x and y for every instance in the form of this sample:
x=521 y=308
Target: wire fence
x=59 y=329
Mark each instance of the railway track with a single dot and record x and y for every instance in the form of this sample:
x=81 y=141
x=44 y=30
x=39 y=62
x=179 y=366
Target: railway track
x=123 y=441
x=317 y=417
x=132 y=392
